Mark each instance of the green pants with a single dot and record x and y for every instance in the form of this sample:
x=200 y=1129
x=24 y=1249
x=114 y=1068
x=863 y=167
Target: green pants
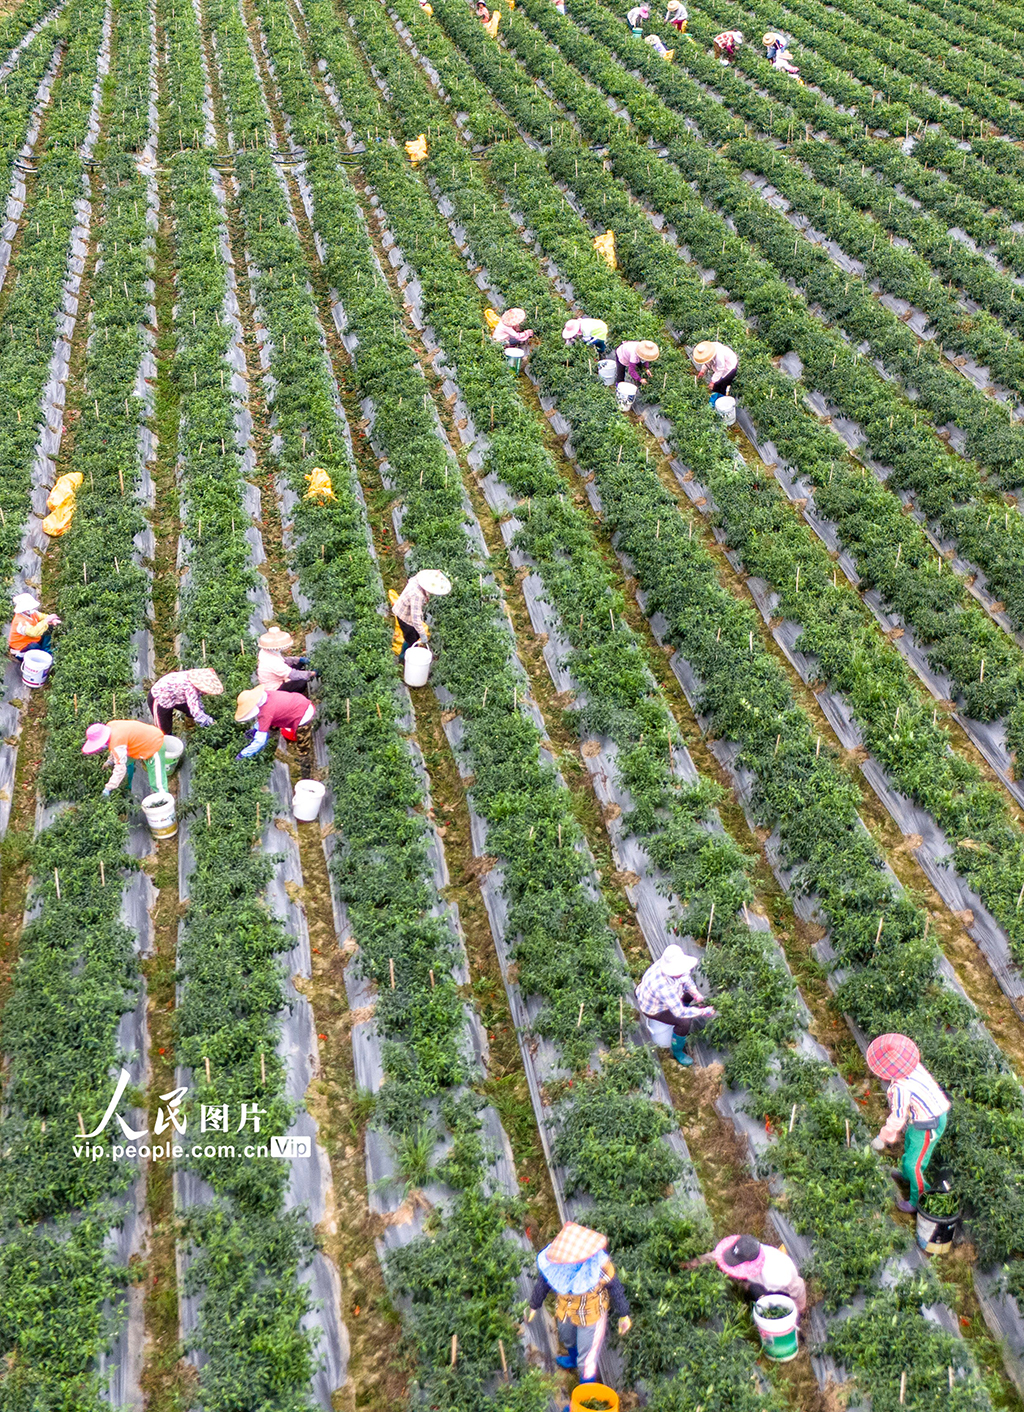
x=918 y=1146
x=156 y=769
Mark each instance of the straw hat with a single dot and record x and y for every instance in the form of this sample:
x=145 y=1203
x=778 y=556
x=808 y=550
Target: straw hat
x=892 y=1056
x=703 y=353
x=512 y=318
x=205 y=679
x=249 y=702
x=674 y=5
x=771 y=38
x=675 y=962
x=574 y=1244
x=275 y=639
x=97 y=738
x=25 y=603
x=434 y=582
x=647 y=351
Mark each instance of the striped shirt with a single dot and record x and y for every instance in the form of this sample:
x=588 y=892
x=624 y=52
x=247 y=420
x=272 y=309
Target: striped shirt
x=658 y=992
x=915 y=1099
x=409 y=605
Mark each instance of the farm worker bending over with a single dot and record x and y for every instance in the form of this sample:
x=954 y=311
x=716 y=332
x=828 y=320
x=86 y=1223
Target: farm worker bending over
x=576 y=1267
x=179 y=691
x=762 y=1269
x=676 y=15
x=718 y=363
x=726 y=44
x=777 y=53
x=412 y=601
x=482 y=12
x=29 y=627
x=658 y=45
x=507 y=329
x=279 y=673
x=127 y=742
x=592 y=331
x=916 y=1102
x=272 y=711
x=667 y=994
x=634 y=360
x=637 y=14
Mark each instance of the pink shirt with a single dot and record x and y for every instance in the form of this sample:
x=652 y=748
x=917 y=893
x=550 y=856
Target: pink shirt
x=723 y=362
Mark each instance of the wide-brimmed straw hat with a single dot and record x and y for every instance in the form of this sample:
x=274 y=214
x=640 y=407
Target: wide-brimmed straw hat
x=675 y=962
x=647 y=351
x=25 y=603
x=206 y=680
x=771 y=38
x=250 y=701
x=97 y=738
x=574 y=1244
x=275 y=639
x=436 y=583
x=892 y=1056
x=703 y=353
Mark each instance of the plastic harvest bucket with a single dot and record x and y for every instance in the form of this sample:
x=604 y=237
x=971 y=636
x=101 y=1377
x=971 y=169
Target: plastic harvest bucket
x=778 y=1335
x=726 y=409
x=174 y=749
x=514 y=357
x=661 y=1034
x=35 y=666
x=417 y=665
x=625 y=394
x=606 y=371
x=160 y=816
x=306 y=801
x=604 y=1397
x=935 y=1233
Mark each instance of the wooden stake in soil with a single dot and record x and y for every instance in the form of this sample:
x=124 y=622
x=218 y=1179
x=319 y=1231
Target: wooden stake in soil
x=579 y=1018
x=792 y=1118
x=56 y=882
x=206 y=1066
x=263 y=1070
x=847 y=1122
x=103 y=876
x=208 y=821
x=504 y=1365
x=455 y=1348
x=878 y=933
x=431 y=974
x=903 y=1387
x=391 y=968
x=81 y=1125
x=711 y=921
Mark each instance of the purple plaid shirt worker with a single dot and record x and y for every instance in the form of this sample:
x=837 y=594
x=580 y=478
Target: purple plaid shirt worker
x=668 y=995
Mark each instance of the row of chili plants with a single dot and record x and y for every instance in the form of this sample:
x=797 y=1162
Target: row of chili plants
x=946 y=488
x=324 y=42
x=77 y=975
x=704 y=868
x=381 y=870
x=852 y=889
x=617 y=1102
x=836 y=627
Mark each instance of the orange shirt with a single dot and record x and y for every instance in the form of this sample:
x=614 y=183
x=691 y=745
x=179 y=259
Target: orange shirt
x=26 y=630
x=141 y=739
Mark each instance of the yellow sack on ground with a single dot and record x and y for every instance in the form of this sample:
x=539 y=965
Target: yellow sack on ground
x=416 y=150
x=605 y=247
x=59 y=521
x=65 y=489
x=670 y=54
x=320 y=488
x=492 y=24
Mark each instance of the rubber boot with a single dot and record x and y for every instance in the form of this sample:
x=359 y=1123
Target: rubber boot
x=679 y=1053
x=567 y=1360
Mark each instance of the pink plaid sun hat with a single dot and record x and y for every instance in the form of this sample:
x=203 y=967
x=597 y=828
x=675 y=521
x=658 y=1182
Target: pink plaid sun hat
x=892 y=1056
x=574 y=1244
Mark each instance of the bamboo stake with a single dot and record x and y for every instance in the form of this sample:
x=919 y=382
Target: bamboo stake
x=391 y=968
x=455 y=1348
x=903 y=1387
x=81 y=1125
x=263 y=1069
x=847 y=1121
x=431 y=974
x=209 y=823
x=504 y=1365
x=56 y=881
x=103 y=875
x=579 y=1018
x=881 y=924
x=206 y=1066
x=711 y=920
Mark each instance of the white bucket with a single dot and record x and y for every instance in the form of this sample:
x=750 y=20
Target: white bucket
x=174 y=749
x=35 y=667
x=514 y=357
x=778 y=1336
x=661 y=1034
x=606 y=371
x=160 y=816
x=726 y=409
x=625 y=394
x=306 y=800
x=417 y=665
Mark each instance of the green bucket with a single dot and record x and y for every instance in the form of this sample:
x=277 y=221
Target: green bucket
x=776 y=1318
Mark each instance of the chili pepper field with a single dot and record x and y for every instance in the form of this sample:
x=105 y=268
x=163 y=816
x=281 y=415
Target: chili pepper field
x=289 y=1108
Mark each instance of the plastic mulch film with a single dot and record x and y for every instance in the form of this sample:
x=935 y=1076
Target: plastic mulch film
x=933 y=850
x=1004 y=1320
x=16 y=199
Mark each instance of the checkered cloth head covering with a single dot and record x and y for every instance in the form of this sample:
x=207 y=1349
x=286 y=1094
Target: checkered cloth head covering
x=892 y=1056
x=575 y=1243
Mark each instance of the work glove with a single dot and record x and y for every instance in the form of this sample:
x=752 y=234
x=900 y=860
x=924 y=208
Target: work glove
x=53 y=620
x=878 y=1143
x=709 y=1011
x=204 y=720
x=625 y=1324
x=107 y=793
x=303 y=661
